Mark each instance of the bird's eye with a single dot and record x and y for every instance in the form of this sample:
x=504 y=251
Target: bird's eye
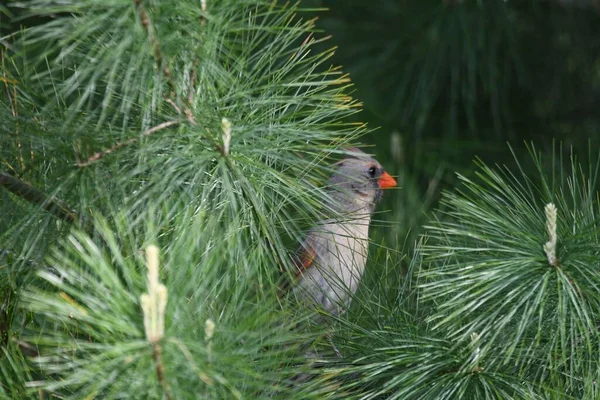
x=372 y=172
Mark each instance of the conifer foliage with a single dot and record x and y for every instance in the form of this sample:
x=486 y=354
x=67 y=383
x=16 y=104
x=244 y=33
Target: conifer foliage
x=198 y=127
x=504 y=300
x=160 y=160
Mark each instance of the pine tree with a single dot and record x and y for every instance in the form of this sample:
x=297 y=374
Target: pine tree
x=160 y=160
x=504 y=299
x=200 y=128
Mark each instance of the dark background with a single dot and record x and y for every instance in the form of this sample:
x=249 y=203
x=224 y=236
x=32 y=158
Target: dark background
x=445 y=82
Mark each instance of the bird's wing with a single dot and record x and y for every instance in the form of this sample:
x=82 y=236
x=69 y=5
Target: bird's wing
x=304 y=258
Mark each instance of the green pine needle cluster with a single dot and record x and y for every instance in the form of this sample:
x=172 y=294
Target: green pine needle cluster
x=206 y=129
x=490 y=273
x=484 y=313
x=202 y=128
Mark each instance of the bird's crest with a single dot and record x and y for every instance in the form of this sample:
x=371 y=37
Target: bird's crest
x=356 y=152
x=352 y=152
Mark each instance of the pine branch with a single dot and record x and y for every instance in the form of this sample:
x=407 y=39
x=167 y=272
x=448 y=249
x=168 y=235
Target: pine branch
x=160 y=370
x=161 y=62
x=496 y=268
x=98 y=155
x=35 y=196
x=158 y=56
x=269 y=110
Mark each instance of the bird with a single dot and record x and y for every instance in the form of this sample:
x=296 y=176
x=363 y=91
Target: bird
x=330 y=261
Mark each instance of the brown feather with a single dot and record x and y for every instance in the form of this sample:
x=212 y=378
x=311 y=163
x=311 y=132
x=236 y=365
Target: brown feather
x=304 y=259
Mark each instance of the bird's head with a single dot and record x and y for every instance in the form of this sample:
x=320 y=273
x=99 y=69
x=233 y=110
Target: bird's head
x=359 y=180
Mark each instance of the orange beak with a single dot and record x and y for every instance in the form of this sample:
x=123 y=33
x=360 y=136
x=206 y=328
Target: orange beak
x=386 y=181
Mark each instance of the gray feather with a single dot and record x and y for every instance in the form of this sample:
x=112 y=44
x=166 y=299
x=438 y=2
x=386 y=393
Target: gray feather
x=341 y=243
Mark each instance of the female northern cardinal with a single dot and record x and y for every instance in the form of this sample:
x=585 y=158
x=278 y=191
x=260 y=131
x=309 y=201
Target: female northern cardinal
x=332 y=258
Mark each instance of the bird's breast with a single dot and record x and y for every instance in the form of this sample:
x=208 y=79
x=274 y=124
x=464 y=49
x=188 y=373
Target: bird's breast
x=344 y=253
x=340 y=257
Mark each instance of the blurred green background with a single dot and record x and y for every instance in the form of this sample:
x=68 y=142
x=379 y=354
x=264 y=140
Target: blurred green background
x=445 y=82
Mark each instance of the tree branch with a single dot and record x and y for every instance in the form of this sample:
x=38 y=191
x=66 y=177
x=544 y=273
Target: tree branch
x=161 y=62
x=98 y=155
x=34 y=196
x=160 y=370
